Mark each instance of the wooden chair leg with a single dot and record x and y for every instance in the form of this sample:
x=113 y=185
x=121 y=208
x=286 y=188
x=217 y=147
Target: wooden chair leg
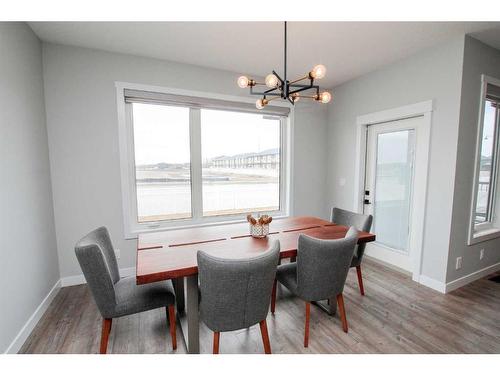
x=171 y=319
x=265 y=336
x=360 y=280
x=106 y=329
x=216 y=342
x=306 y=331
x=340 y=301
x=273 y=297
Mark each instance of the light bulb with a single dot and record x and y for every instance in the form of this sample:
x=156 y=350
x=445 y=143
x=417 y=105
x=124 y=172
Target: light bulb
x=325 y=97
x=295 y=97
x=243 y=81
x=261 y=103
x=318 y=72
x=271 y=81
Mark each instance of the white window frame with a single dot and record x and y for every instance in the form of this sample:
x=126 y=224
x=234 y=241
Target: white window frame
x=127 y=164
x=487 y=230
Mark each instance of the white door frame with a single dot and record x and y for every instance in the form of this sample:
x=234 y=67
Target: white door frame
x=422 y=147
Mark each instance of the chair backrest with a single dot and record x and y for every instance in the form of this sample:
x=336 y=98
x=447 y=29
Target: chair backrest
x=352 y=219
x=235 y=294
x=97 y=260
x=322 y=265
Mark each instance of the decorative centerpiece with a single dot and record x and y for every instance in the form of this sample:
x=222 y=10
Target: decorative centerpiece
x=259 y=228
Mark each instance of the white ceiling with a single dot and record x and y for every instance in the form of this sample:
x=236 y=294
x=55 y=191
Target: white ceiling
x=347 y=49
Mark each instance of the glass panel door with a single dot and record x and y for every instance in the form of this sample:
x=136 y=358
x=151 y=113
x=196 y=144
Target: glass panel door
x=393 y=188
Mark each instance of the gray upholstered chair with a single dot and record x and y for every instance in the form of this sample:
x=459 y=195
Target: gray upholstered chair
x=319 y=273
x=235 y=293
x=360 y=222
x=113 y=295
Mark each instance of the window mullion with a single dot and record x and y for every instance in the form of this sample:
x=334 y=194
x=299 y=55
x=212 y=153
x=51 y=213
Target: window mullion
x=196 y=168
x=495 y=166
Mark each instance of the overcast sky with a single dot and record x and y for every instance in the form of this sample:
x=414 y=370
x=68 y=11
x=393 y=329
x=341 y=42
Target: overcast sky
x=161 y=133
x=488 y=130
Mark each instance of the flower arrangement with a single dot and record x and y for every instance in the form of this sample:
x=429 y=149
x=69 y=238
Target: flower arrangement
x=259 y=227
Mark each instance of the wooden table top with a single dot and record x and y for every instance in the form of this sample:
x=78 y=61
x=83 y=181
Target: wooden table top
x=172 y=254
x=221 y=232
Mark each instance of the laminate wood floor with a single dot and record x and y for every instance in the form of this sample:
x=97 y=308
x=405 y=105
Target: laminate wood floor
x=396 y=315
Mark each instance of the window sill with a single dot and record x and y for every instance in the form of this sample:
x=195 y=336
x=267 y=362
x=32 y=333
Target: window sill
x=484 y=235
x=135 y=233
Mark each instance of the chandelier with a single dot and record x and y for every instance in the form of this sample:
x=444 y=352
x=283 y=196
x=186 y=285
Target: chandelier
x=278 y=87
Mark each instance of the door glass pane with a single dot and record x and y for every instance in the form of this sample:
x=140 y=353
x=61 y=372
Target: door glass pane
x=240 y=161
x=162 y=162
x=393 y=185
x=483 y=203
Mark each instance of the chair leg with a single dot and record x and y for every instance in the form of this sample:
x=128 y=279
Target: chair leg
x=171 y=319
x=265 y=336
x=106 y=329
x=273 y=297
x=306 y=331
x=216 y=342
x=340 y=301
x=360 y=280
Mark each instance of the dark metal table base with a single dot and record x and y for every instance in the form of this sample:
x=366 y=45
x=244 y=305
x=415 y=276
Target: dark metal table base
x=186 y=290
x=329 y=309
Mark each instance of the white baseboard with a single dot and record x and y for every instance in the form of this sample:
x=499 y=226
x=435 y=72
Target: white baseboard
x=440 y=286
x=421 y=279
x=23 y=334
x=80 y=279
x=28 y=327
x=432 y=283
x=464 y=280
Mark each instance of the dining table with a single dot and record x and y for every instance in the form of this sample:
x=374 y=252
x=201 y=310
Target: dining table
x=172 y=255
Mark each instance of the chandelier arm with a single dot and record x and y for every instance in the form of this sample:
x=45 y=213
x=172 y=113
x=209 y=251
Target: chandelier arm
x=272 y=89
x=274 y=97
x=303 y=89
x=302 y=85
x=278 y=76
x=298 y=80
x=268 y=94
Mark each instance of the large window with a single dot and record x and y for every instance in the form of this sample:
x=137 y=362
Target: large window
x=162 y=162
x=485 y=217
x=487 y=164
x=191 y=160
x=241 y=162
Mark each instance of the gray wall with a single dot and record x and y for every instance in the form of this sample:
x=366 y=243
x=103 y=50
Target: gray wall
x=432 y=74
x=310 y=159
x=83 y=139
x=28 y=252
x=478 y=59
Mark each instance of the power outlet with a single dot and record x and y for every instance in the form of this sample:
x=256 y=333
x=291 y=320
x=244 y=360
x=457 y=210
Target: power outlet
x=481 y=254
x=117 y=253
x=458 y=263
